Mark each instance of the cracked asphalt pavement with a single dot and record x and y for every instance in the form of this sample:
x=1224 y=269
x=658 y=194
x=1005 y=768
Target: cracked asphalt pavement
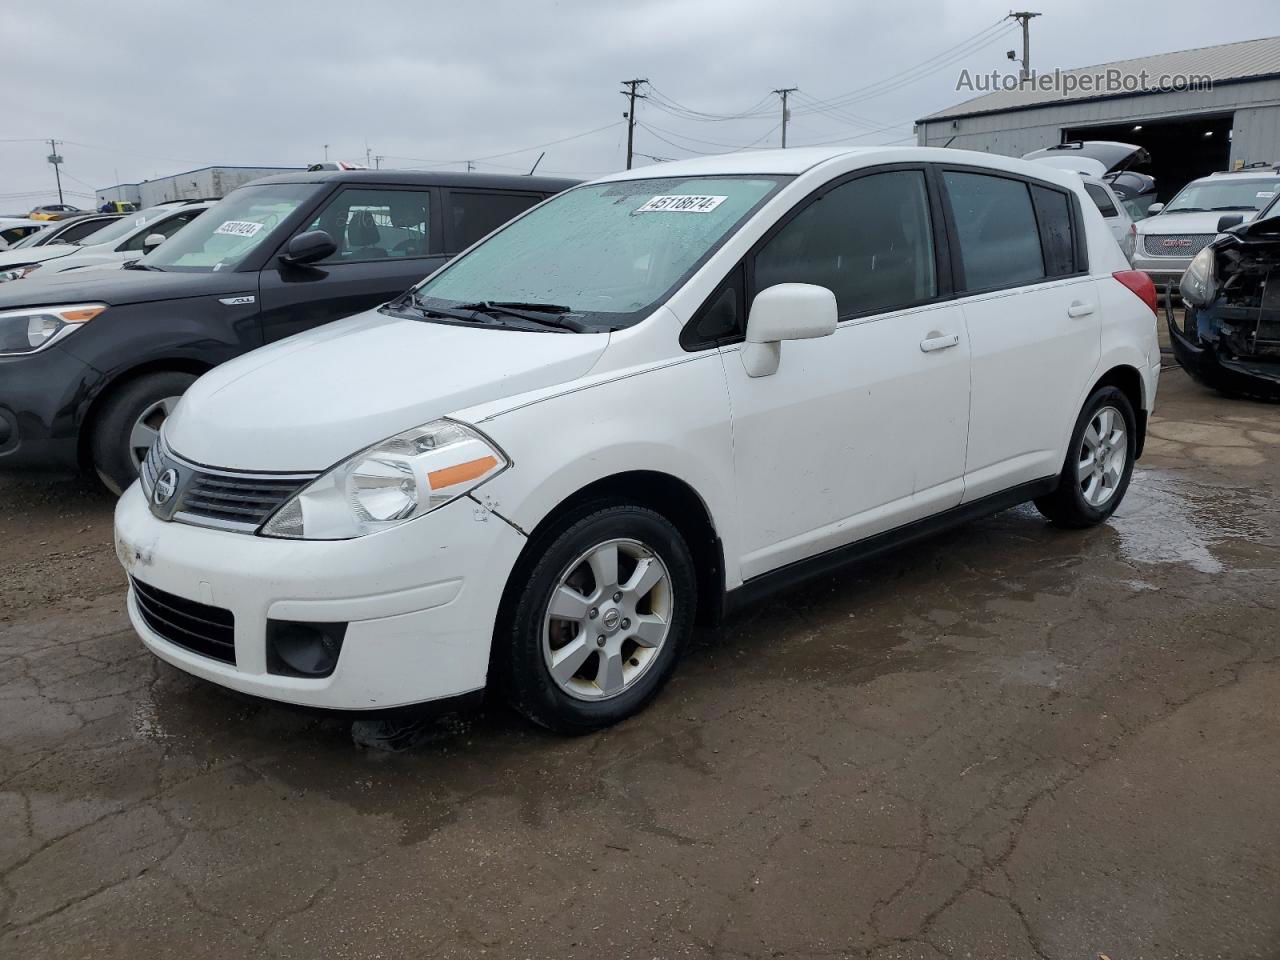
x=1009 y=741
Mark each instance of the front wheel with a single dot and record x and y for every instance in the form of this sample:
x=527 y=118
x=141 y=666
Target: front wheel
x=129 y=424
x=600 y=623
x=1099 y=462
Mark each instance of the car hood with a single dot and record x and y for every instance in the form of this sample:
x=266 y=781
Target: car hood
x=119 y=287
x=50 y=251
x=312 y=400
x=1206 y=222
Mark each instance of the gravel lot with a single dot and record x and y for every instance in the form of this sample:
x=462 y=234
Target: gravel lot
x=1007 y=742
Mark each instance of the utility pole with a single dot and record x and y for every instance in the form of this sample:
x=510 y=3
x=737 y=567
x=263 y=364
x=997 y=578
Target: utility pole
x=471 y=165
x=368 y=154
x=377 y=162
x=55 y=160
x=786 y=114
x=326 y=151
x=632 y=95
x=1023 y=17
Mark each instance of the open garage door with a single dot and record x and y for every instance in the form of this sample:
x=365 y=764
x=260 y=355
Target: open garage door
x=1181 y=149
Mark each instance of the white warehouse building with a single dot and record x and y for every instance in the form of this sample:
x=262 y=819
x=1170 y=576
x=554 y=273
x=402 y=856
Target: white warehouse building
x=1197 y=111
x=207 y=182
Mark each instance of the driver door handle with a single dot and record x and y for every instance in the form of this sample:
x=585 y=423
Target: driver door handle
x=929 y=344
x=1079 y=308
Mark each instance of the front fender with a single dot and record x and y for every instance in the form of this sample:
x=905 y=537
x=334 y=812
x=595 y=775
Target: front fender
x=672 y=420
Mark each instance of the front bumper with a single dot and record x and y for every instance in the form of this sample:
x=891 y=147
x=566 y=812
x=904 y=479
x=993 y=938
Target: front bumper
x=1239 y=376
x=43 y=398
x=1162 y=270
x=420 y=601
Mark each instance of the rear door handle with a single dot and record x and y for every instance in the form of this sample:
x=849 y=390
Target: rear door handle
x=1079 y=308
x=929 y=344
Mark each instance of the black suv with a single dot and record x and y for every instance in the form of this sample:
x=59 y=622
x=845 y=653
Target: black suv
x=91 y=362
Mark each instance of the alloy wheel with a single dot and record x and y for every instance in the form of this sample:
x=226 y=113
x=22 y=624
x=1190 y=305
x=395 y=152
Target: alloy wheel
x=1104 y=452
x=607 y=619
x=146 y=429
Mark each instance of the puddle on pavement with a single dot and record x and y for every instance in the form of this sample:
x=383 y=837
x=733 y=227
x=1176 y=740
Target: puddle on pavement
x=1166 y=519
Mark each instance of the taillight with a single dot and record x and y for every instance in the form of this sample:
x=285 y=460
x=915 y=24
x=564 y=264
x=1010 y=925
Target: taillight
x=1142 y=286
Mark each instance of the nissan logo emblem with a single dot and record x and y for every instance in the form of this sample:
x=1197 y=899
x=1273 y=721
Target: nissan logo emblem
x=166 y=484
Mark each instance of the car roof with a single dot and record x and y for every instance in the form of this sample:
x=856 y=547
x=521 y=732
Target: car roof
x=799 y=160
x=425 y=178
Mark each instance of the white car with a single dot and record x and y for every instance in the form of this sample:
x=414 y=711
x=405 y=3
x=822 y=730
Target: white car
x=16 y=229
x=113 y=245
x=1178 y=230
x=645 y=400
x=1092 y=171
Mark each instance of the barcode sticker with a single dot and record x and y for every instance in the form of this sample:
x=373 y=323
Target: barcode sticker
x=681 y=203
x=239 y=228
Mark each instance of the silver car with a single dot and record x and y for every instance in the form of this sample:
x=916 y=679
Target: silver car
x=1179 y=230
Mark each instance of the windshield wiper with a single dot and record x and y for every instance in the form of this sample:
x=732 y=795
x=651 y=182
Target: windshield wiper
x=1186 y=210
x=139 y=265
x=1235 y=206
x=546 y=314
x=411 y=300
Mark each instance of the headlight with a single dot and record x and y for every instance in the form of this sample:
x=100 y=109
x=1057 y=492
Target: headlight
x=18 y=272
x=1199 y=285
x=390 y=483
x=34 y=328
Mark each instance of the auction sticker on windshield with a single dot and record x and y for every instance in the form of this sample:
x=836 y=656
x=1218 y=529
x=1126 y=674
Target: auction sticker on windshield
x=239 y=228
x=685 y=203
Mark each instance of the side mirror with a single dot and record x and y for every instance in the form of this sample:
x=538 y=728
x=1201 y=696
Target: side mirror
x=152 y=240
x=1229 y=220
x=785 y=311
x=308 y=248
x=1154 y=209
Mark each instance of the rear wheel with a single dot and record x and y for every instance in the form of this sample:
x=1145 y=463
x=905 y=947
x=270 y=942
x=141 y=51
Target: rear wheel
x=129 y=424
x=1099 y=462
x=600 y=624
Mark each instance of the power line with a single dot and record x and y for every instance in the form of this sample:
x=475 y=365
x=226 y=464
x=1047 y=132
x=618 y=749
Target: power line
x=510 y=153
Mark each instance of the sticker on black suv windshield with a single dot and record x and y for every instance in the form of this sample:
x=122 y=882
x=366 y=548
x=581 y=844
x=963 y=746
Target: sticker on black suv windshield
x=239 y=228
x=683 y=203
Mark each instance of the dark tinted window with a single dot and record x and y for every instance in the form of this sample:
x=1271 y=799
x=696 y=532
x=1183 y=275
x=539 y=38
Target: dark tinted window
x=869 y=241
x=1053 y=212
x=376 y=224
x=999 y=241
x=1099 y=196
x=80 y=230
x=475 y=215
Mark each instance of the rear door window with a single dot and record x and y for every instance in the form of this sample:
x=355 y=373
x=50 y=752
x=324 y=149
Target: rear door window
x=472 y=215
x=996 y=226
x=166 y=228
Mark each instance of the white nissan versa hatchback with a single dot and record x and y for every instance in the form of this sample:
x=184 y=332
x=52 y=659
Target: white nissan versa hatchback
x=645 y=399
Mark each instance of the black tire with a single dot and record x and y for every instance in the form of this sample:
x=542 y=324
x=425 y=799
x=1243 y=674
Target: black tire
x=109 y=444
x=519 y=663
x=1067 y=505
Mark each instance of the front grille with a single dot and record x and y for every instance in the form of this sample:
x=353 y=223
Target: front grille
x=212 y=497
x=198 y=627
x=1175 y=244
x=242 y=501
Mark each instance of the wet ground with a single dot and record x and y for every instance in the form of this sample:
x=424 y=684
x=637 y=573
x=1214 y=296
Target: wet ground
x=1010 y=741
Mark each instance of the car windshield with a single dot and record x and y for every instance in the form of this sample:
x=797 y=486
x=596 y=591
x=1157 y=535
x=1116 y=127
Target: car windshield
x=126 y=225
x=226 y=233
x=608 y=252
x=1224 y=194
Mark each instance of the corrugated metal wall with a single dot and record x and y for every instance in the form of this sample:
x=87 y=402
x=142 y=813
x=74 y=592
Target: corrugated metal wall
x=1256 y=135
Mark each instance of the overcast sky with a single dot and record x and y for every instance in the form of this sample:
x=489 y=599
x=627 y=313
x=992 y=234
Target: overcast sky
x=153 y=87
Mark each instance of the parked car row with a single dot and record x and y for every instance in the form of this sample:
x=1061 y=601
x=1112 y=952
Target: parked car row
x=635 y=404
x=274 y=258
